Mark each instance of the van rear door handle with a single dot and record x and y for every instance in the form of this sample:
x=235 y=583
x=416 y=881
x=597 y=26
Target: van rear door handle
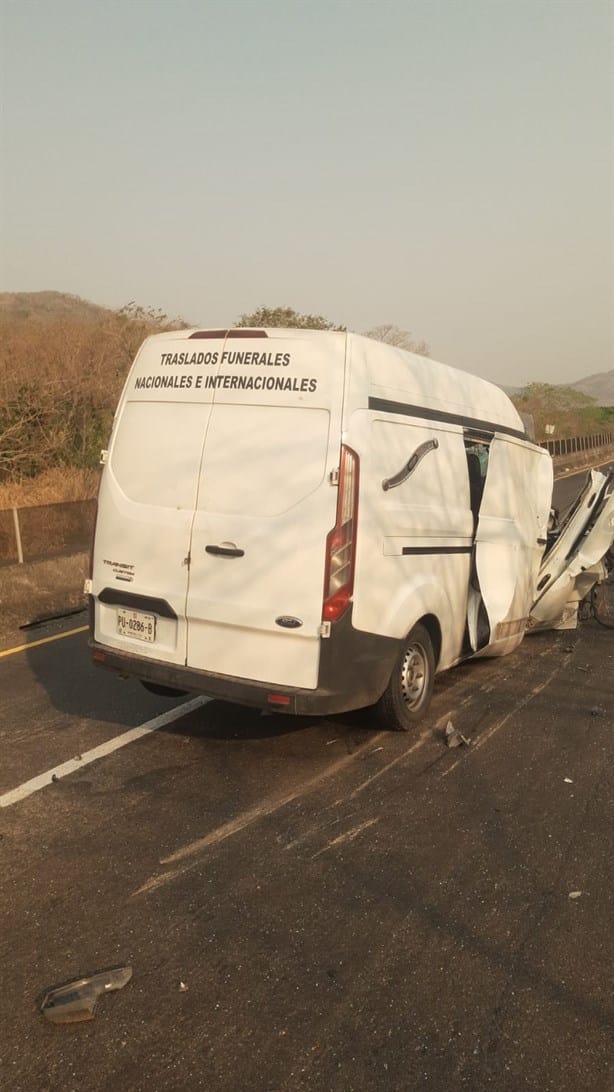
x=224 y=551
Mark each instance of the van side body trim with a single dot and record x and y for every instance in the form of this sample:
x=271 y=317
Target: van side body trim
x=442 y=417
x=414 y=550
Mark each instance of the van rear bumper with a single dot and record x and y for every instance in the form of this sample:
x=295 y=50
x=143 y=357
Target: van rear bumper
x=354 y=671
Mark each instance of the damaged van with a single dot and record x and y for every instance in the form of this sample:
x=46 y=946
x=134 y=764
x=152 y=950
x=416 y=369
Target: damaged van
x=311 y=522
x=578 y=555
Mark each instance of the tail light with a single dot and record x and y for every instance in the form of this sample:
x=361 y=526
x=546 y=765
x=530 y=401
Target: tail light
x=341 y=541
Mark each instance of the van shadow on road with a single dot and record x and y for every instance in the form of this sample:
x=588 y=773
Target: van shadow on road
x=74 y=686
x=63 y=669
x=226 y=720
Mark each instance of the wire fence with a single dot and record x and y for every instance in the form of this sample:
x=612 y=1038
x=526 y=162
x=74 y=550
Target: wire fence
x=45 y=531
x=574 y=445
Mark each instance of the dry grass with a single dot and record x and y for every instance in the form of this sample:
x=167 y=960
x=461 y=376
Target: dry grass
x=51 y=487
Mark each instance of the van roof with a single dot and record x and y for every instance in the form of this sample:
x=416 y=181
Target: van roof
x=391 y=374
x=220 y=332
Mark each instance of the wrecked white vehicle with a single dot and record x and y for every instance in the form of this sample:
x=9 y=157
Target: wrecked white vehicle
x=578 y=557
x=312 y=522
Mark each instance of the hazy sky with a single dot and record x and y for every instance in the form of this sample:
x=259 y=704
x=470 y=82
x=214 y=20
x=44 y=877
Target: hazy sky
x=444 y=165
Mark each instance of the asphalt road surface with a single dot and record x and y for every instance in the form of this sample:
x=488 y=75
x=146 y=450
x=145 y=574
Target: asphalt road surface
x=567 y=487
x=309 y=903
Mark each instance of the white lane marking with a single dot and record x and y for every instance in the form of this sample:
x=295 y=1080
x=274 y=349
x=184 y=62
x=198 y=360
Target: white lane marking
x=74 y=764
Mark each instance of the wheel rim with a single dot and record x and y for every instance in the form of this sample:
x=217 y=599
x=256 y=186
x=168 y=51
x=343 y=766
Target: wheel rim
x=414 y=675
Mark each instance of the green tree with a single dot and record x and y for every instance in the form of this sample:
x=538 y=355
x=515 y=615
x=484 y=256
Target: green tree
x=288 y=317
x=570 y=411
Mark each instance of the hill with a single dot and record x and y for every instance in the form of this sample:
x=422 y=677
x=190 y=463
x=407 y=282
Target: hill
x=599 y=386
x=48 y=306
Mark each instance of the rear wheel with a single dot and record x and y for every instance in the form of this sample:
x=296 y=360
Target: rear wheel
x=408 y=694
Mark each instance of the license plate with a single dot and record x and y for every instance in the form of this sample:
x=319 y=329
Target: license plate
x=133 y=623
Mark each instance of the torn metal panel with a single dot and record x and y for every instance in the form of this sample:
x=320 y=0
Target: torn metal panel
x=577 y=558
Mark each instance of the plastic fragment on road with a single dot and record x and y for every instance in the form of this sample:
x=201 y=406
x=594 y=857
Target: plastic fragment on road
x=453 y=737
x=77 y=1000
x=574 y=894
x=568 y=780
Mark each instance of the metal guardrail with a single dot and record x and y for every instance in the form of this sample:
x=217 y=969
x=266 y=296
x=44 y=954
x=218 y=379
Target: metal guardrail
x=574 y=445
x=45 y=531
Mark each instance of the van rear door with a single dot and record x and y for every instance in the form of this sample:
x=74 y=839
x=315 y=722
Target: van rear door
x=264 y=507
x=148 y=495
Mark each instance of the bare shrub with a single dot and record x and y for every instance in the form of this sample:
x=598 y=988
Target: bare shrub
x=60 y=379
x=53 y=486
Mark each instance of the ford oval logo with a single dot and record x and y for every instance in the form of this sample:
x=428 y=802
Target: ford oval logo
x=288 y=622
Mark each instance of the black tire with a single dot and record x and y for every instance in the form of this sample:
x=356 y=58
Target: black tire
x=408 y=694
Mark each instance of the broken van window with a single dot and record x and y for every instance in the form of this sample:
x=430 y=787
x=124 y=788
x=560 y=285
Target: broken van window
x=477 y=465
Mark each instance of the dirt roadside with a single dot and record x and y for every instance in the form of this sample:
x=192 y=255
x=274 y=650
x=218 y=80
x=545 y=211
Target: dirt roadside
x=43 y=589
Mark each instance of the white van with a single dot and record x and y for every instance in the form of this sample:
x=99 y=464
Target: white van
x=311 y=522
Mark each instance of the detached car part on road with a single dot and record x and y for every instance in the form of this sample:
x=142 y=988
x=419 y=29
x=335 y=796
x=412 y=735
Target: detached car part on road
x=312 y=522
